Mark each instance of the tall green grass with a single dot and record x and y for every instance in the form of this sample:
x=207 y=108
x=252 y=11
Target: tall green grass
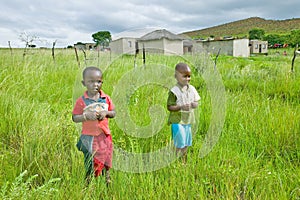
x=256 y=157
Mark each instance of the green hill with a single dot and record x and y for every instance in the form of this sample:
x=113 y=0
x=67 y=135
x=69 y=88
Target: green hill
x=241 y=28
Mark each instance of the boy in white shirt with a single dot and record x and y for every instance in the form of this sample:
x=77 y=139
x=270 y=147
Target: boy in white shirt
x=182 y=99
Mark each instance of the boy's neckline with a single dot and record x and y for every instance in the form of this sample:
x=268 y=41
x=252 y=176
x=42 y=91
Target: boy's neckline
x=95 y=97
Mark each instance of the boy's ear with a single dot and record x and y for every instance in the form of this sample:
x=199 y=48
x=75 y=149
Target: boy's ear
x=83 y=82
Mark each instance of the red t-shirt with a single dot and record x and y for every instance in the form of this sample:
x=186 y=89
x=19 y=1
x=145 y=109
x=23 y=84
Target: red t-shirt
x=95 y=127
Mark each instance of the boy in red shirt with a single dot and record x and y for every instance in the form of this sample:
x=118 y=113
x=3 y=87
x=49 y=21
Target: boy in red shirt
x=93 y=109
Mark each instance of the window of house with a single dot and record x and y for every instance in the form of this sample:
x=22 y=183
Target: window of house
x=129 y=44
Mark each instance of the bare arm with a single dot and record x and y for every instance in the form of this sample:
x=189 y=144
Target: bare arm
x=87 y=116
x=108 y=114
x=185 y=107
x=78 y=118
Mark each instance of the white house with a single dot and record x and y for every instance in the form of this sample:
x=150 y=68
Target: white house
x=126 y=41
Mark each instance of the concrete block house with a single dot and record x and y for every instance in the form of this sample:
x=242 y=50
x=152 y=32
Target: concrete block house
x=258 y=47
x=157 y=41
x=230 y=47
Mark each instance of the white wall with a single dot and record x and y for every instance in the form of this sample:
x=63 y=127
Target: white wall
x=129 y=46
x=241 y=48
x=173 y=47
x=123 y=46
x=163 y=46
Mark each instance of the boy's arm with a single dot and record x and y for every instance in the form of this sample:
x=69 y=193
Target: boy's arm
x=111 y=114
x=171 y=103
x=194 y=104
x=78 y=118
x=174 y=107
x=84 y=117
x=186 y=107
x=108 y=114
x=77 y=113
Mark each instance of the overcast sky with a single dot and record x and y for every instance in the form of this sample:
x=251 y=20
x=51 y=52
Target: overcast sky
x=72 y=21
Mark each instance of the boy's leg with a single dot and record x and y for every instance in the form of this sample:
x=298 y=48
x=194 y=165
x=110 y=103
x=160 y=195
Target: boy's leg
x=178 y=152
x=84 y=144
x=184 y=154
x=88 y=164
x=107 y=175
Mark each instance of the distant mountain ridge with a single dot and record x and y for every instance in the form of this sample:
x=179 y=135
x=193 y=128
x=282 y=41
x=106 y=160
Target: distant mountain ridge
x=242 y=27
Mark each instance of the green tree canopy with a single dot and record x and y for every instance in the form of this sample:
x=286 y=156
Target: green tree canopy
x=276 y=39
x=256 y=34
x=295 y=37
x=102 y=38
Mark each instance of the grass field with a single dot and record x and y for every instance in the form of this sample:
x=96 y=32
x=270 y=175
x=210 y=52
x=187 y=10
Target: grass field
x=256 y=156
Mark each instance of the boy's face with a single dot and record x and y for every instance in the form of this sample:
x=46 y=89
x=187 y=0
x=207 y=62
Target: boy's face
x=92 y=81
x=183 y=77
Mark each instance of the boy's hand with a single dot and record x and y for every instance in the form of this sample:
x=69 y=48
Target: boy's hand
x=91 y=115
x=186 y=107
x=101 y=115
x=194 y=104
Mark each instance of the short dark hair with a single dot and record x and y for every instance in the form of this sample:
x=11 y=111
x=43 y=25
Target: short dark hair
x=182 y=67
x=91 y=68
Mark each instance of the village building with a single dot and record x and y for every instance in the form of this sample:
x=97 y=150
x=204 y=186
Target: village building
x=85 y=46
x=188 y=46
x=126 y=42
x=157 y=41
x=230 y=47
x=164 y=42
x=258 y=47
x=124 y=45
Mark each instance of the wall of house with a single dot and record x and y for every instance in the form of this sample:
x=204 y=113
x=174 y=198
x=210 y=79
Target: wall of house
x=85 y=46
x=123 y=46
x=129 y=46
x=237 y=47
x=258 y=46
x=116 y=46
x=173 y=47
x=241 y=48
x=225 y=46
x=163 y=46
x=152 y=46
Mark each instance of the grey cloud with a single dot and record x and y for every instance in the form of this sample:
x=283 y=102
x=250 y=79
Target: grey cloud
x=71 y=21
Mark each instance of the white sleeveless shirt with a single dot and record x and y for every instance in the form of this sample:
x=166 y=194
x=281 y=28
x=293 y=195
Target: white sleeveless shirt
x=186 y=95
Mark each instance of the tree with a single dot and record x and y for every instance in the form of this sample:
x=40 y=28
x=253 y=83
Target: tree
x=275 y=39
x=102 y=38
x=294 y=37
x=256 y=34
x=28 y=39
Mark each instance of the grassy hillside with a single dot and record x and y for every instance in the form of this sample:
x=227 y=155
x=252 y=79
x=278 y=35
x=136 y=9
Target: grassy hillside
x=242 y=27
